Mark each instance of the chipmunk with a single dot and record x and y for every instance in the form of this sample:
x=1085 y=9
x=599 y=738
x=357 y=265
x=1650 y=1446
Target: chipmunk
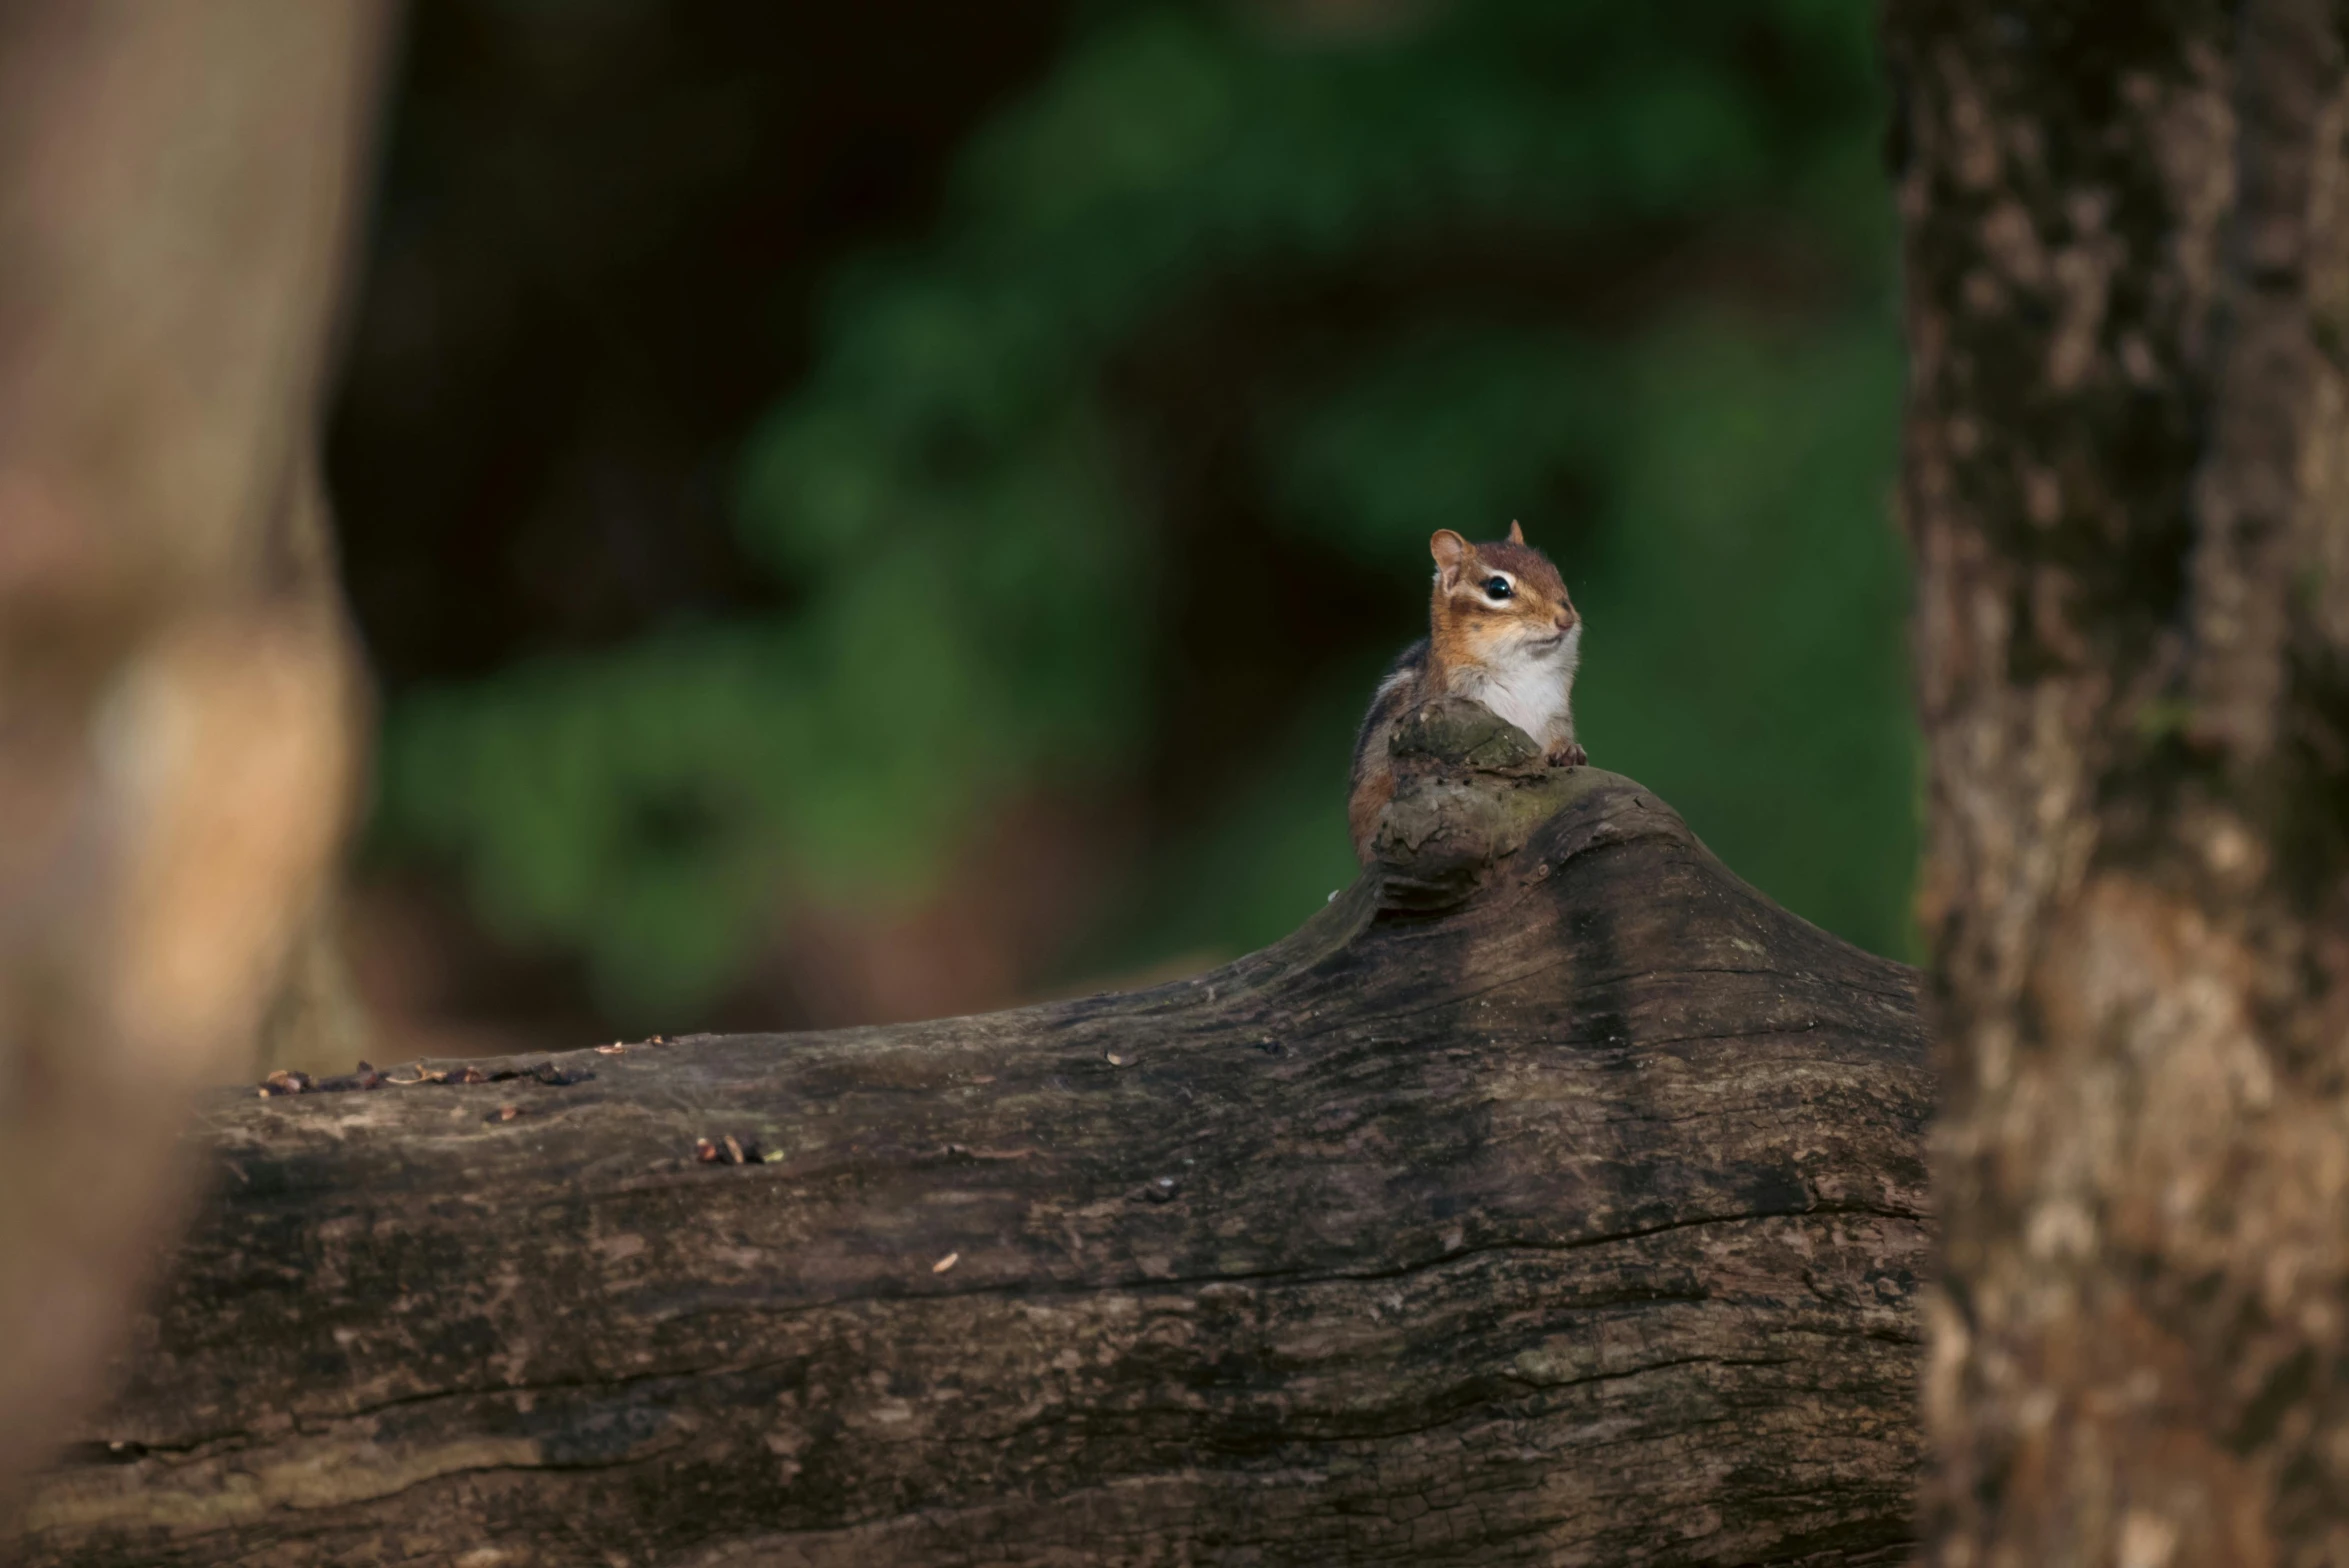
x=1502 y=632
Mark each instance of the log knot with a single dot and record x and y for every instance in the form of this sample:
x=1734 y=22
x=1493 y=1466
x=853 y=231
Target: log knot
x=1470 y=788
x=1456 y=732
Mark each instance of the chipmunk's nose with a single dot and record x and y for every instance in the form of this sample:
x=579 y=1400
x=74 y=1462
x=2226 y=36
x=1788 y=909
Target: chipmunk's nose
x=1568 y=620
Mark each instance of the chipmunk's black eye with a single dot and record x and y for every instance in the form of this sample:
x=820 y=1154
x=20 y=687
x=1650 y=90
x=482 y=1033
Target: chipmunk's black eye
x=1498 y=587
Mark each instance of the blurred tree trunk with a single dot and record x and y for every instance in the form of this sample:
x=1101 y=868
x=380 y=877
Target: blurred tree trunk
x=177 y=691
x=2127 y=481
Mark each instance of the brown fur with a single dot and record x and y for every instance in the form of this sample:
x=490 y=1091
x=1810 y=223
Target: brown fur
x=1463 y=627
x=1471 y=640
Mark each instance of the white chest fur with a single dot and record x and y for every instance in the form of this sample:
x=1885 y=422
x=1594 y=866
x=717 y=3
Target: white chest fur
x=1531 y=688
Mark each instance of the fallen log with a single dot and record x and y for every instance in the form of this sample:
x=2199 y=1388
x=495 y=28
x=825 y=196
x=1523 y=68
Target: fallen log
x=1551 y=1196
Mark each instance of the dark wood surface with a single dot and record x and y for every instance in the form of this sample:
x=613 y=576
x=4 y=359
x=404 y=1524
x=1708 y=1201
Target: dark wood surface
x=1572 y=1214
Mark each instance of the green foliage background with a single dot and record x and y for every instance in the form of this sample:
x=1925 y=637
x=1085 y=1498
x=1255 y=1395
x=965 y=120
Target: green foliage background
x=970 y=545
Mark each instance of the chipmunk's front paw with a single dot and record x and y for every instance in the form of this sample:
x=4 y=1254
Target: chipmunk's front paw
x=1570 y=755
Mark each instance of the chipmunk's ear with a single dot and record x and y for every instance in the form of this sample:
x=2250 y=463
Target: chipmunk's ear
x=1516 y=534
x=1451 y=555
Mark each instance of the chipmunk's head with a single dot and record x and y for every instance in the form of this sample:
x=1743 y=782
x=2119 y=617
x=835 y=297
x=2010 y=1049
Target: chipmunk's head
x=1501 y=604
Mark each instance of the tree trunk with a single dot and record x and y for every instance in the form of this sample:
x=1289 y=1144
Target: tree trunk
x=178 y=698
x=1549 y=1197
x=2126 y=479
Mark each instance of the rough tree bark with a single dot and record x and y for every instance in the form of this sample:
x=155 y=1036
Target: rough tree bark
x=1550 y=1197
x=176 y=691
x=2127 y=480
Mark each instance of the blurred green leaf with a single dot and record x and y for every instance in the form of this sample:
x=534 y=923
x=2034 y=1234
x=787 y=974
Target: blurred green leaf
x=977 y=539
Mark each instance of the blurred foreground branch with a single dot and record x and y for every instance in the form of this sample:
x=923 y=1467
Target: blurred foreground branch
x=177 y=692
x=1551 y=1196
